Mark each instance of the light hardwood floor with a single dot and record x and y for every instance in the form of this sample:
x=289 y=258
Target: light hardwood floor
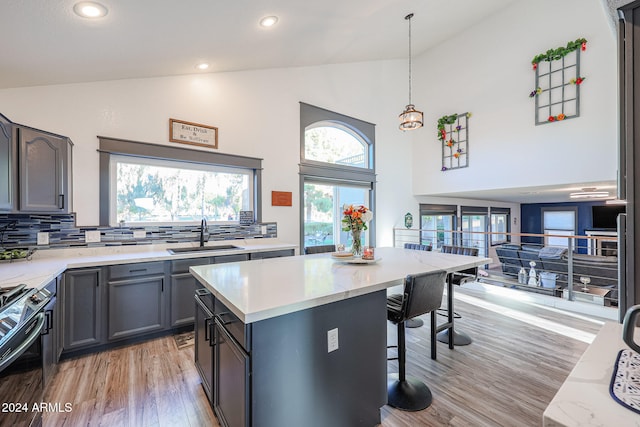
x=520 y=356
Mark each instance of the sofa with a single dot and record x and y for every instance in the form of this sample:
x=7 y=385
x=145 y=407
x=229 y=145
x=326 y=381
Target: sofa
x=601 y=270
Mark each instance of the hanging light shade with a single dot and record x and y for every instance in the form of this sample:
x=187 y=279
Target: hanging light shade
x=410 y=118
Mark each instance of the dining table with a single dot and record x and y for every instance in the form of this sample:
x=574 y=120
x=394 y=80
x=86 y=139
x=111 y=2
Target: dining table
x=315 y=330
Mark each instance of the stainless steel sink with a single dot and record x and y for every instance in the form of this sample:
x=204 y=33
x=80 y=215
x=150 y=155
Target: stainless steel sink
x=202 y=249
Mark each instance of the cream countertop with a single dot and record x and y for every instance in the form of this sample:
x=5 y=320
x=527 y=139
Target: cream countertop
x=46 y=265
x=262 y=289
x=584 y=399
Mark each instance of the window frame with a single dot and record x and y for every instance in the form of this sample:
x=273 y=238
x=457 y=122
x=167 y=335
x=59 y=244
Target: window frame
x=331 y=173
x=113 y=146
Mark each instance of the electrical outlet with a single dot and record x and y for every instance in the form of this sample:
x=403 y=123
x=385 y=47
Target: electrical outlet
x=332 y=340
x=139 y=234
x=263 y=229
x=43 y=238
x=92 y=236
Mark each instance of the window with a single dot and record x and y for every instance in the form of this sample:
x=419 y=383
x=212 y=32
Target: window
x=145 y=184
x=500 y=226
x=323 y=212
x=336 y=168
x=151 y=191
x=558 y=223
x=437 y=225
x=474 y=228
x=332 y=142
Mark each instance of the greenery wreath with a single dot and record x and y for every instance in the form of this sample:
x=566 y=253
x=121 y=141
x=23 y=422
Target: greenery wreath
x=557 y=53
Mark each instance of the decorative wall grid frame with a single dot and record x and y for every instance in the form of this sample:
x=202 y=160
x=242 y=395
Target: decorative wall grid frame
x=557 y=83
x=453 y=132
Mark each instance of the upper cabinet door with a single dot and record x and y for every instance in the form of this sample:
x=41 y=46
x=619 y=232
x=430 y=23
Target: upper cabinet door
x=43 y=167
x=7 y=165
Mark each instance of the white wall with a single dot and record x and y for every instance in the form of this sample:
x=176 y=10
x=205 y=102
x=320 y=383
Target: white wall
x=257 y=114
x=487 y=71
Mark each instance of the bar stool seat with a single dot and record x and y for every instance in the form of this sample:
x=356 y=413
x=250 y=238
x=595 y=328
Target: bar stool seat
x=422 y=294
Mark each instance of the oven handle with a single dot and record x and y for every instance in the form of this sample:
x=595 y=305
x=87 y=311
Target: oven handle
x=33 y=336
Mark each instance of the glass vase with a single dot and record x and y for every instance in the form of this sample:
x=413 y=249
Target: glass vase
x=356 y=247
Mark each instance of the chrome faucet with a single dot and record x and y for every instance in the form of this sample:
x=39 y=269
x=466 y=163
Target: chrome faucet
x=203 y=226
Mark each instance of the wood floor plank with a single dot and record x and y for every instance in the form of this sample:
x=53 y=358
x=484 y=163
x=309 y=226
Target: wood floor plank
x=520 y=355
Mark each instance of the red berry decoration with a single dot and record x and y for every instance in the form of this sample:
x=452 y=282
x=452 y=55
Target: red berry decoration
x=535 y=65
x=583 y=46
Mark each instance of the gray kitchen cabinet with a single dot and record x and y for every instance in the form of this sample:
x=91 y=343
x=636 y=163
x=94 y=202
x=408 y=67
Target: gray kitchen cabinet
x=182 y=288
x=231 y=379
x=44 y=171
x=52 y=334
x=136 y=299
x=7 y=165
x=271 y=254
x=49 y=341
x=83 y=305
x=204 y=342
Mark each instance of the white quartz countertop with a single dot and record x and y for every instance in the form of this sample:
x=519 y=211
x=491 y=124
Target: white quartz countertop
x=261 y=289
x=46 y=265
x=584 y=399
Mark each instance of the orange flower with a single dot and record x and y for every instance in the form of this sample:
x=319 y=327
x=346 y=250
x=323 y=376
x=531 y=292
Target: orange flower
x=561 y=116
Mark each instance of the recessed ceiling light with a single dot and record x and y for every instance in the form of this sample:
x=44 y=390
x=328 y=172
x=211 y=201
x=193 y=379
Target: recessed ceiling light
x=268 y=21
x=202 y=66
x=90 y=9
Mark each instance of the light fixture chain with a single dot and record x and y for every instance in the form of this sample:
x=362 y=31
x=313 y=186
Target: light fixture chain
x=409 y=18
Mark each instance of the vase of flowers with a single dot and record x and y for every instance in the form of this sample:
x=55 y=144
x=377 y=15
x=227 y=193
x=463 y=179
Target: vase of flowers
x=355 y=220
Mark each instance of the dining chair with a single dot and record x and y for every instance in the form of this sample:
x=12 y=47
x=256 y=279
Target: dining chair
x=422 y=294
x=458 y=278
x=319 y=249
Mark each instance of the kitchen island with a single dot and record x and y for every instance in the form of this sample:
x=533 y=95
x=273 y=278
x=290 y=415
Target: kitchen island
x=584 y=398
x=308 y=334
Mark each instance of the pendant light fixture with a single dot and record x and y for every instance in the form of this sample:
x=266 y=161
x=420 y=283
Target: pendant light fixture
x=410 y=118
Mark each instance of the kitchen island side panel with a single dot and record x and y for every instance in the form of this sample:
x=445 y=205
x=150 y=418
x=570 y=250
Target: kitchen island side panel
x=296 y=381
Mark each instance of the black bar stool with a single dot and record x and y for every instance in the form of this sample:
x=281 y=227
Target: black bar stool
x=413 y=323
x=422 y=294
x=457 y=278
x=319 y=249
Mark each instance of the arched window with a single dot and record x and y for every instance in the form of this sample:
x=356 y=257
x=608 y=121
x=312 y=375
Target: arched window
x=333 y=142
x=336 y=168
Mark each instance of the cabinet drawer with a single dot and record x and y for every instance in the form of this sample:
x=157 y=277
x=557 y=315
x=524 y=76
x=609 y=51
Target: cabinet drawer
x=272 y=254
x=182 y=265
x=232 y=324
x=230 y=258
x=124 y=271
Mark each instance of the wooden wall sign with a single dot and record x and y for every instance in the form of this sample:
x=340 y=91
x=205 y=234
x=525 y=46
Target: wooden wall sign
x=193 y=133
x=281 y=198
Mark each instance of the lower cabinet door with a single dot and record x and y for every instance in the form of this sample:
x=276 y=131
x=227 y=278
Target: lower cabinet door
x=136 y=306
x=232 y=386
x=183 y=287
x=49 y=341
x=204 y=347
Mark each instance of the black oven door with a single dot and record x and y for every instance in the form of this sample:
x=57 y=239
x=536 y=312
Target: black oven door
x=21 y=387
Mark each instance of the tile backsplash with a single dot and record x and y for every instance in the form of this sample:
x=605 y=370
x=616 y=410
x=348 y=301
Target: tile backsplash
x=21 y=230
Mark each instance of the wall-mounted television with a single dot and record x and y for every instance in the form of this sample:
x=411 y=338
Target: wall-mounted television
x=605 y=216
